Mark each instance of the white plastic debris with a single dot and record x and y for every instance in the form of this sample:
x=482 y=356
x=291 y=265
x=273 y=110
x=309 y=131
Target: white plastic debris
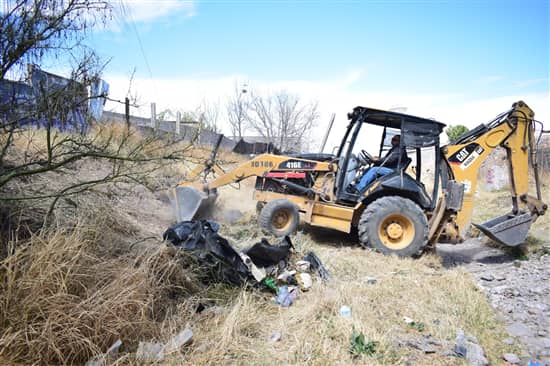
x=179 y=340
x=258 y=273
x=106 y=357
x=371 y=280
x=149 y=352
x=304 y=280
x=275 y=336
x=285 y=275
x=303 y=266
x=345 y=311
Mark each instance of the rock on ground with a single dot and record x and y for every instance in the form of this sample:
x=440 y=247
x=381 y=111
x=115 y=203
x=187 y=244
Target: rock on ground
x=518 y=290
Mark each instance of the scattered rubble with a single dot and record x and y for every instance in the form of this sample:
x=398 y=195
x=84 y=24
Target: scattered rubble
x=519 y=291
x=467 y=346
x=511 y=358
x=153 y=352
x=422 y=346
x=428 y=345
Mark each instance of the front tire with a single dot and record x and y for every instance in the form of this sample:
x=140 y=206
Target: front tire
x=279 y=217
x=394 y=225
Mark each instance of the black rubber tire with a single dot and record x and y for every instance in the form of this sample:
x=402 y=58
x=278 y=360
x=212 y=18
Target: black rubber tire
x=276 y=209
x=377 y=214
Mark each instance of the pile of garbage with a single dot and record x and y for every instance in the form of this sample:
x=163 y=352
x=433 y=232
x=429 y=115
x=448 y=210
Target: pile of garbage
x=262 y=264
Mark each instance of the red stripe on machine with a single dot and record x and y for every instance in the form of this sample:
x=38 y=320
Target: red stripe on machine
x=286 y=175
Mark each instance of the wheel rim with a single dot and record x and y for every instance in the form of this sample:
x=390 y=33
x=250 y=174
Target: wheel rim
x=282 y=219
x=396 y=231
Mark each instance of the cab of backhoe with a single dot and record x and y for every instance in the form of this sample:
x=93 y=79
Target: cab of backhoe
x=370 y=131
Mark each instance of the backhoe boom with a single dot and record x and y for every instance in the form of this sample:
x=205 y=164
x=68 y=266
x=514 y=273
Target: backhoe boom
x=514 y=131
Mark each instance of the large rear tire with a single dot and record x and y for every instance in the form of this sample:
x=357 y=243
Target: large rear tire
x=279 y=217
x=394 y=225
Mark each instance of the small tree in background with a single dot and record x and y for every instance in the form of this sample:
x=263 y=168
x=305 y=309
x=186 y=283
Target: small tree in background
x=283 y=119
x=237 y=111
x=208 y=114
x=454 y=132
x=31 y=31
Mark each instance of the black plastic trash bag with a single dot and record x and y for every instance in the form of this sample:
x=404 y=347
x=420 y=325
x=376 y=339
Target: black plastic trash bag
x=264 y=254
x=317 y=265
x=201 y=238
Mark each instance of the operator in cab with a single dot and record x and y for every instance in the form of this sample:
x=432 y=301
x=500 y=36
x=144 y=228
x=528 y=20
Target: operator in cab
x=384 y=165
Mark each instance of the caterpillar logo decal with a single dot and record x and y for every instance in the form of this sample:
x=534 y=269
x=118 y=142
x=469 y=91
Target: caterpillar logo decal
x=297 y=165
x=467 y=155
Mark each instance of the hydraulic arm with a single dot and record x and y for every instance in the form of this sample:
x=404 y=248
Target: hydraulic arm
x=514 y=131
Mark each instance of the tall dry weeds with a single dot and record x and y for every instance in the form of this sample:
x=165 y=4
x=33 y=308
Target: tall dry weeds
x=65 y=297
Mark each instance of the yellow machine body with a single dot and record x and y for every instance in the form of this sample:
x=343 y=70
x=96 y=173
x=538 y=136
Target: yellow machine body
x=318 y=205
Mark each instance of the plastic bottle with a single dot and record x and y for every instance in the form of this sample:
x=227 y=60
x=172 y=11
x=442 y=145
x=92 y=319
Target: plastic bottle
x=285 y=297
x=345 y=311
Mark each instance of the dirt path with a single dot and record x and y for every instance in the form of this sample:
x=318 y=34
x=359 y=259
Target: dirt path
x=519 y=290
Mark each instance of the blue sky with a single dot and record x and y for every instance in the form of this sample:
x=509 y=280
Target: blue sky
x=471 y=57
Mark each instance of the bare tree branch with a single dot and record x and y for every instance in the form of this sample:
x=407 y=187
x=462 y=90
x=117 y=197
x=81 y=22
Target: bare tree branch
x=49 y=134
x=207 y=115
x=237 y=111
x=283 y=120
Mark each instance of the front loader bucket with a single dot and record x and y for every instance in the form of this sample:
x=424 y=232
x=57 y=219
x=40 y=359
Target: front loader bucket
x=507 y=229
x=187 y=201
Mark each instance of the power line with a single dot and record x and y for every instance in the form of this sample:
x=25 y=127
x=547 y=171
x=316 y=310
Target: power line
x=128 y=11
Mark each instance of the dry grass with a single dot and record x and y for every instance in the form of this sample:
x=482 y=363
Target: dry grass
x=69 y=292
x=314 y=333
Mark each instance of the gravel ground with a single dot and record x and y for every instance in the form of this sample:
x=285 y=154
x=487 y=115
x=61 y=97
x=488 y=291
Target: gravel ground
x=519 y=290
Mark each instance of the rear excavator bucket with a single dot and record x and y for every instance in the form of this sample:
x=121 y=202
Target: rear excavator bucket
x=188 y=202
x=510 y=229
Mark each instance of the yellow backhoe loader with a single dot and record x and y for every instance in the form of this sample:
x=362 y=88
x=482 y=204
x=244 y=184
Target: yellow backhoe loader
x=395 y=213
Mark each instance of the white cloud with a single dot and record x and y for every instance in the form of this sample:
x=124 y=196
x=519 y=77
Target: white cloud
x=147 y=10
x=126 y=12
x=338 y=94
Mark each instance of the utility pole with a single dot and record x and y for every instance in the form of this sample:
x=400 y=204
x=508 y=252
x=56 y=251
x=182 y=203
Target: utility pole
x=327 y=133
